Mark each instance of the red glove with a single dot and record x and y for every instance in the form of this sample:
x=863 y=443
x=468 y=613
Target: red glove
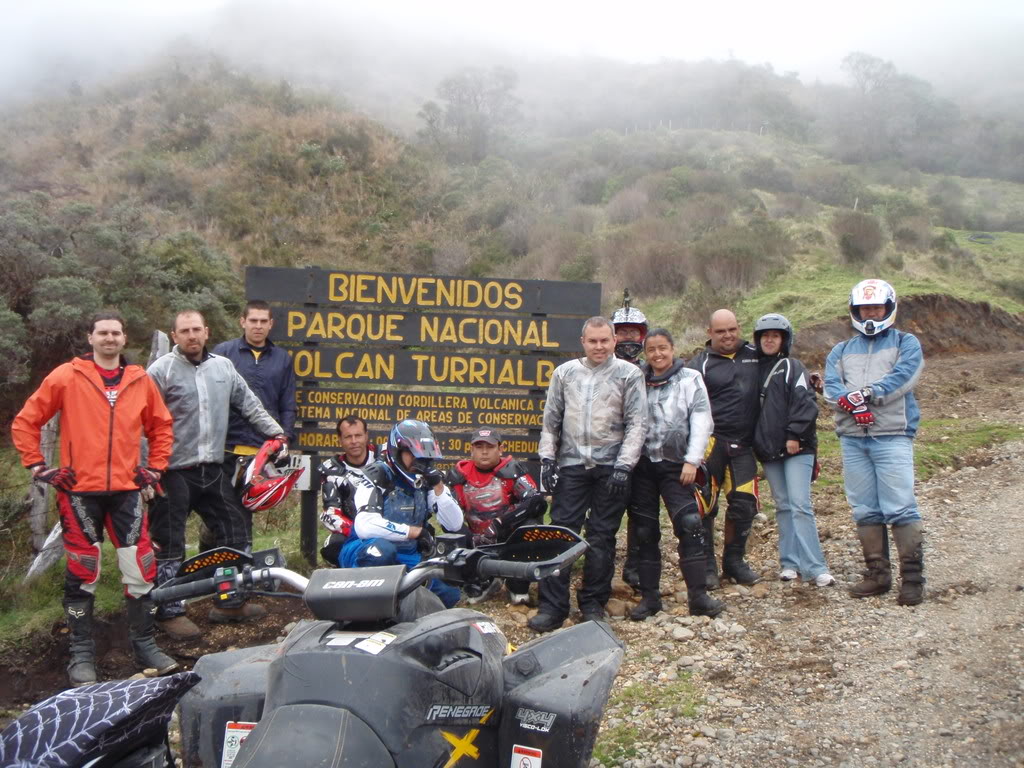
x=863 y=416
x=851 y=402
x=146 y=477
x=61 y=477
x=336 y=521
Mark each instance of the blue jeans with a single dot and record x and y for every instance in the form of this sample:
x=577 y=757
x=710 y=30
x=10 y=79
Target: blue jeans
x=879 y=477
x=799 y=547
x=361 y=553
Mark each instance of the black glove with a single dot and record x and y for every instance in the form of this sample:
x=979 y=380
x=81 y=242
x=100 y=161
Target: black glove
x=425 y=541
x=431 y=474
x=549 y=474
x=61 y=477
x=618 y=483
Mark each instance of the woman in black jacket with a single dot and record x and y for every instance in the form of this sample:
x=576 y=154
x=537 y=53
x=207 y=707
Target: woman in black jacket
x=786 y=442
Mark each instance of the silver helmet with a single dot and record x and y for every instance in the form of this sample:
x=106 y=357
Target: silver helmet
x=627 y=315
x=773 y=321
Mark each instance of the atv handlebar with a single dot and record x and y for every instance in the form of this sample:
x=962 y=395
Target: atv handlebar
x=175 y=592
x=245 y=580
x=488 y=567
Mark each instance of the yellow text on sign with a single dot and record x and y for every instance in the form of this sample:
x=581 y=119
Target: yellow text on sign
x=486 y=331
x=455 y=292
x=363 y=366
x=357 y=326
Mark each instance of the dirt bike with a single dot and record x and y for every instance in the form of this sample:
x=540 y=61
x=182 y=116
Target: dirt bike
x=385 y=677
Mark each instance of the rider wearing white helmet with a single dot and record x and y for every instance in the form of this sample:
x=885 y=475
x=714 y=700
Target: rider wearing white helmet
x=869 y=381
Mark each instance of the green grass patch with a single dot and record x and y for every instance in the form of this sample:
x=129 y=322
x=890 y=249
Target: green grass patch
x=944 y=442
x=622 y=741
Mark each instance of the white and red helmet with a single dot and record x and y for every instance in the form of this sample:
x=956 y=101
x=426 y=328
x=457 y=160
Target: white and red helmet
x=872 y=292
x=265 y=484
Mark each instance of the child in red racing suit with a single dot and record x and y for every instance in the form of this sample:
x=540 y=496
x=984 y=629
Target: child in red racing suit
x=497 y=496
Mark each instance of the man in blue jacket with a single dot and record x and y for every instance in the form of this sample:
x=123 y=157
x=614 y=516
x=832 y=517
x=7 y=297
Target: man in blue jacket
x=267 y=369
x=869 y=381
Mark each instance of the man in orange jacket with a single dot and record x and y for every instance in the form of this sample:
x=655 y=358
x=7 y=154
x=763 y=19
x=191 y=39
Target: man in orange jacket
x=106 y=405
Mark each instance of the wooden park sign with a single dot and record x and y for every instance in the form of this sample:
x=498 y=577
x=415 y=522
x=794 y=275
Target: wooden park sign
x=458 y=353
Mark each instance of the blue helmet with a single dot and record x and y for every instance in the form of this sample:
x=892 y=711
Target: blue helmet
x=416 y=438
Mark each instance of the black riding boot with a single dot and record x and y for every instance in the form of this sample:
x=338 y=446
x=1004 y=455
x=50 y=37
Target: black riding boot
x=697 y=597
x=650 y=587
x=734 y=548
x=878 y=572
x=141 y=616
x=630 y=570
x=710 y=566
x=909 y=540
x=82 y=666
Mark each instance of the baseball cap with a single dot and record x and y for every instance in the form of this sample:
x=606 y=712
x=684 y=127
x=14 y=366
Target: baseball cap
x=486 y=435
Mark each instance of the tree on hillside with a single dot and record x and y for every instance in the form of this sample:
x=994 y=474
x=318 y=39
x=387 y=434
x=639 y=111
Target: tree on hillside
x=479 y=109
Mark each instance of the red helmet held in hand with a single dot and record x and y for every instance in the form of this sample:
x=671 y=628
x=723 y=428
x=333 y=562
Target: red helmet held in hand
x=266 y=484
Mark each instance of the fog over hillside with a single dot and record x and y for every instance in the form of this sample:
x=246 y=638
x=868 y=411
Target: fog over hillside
x=388 y=58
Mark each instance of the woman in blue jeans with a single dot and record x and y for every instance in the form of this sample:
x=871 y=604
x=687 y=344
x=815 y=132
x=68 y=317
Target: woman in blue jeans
x=786 y=443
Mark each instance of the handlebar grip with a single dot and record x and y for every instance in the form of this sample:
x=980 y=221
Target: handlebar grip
x=508 y=570
x=182 y=591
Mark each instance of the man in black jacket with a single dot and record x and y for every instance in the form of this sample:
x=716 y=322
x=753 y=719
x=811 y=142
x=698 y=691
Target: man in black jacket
x=729 y=366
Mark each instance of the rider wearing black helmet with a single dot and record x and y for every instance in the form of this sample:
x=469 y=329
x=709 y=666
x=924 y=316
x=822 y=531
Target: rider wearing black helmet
x=394 y=499
x=630 y=326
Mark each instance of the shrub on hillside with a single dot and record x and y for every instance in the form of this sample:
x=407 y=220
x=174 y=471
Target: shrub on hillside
x=791 y=205
x=704 y=213
x=913 y=233
x=627 y=205
x=860 y=236
x=766 y=173
x=947 y=196
x=829 y=185
x=737 y=257
x=657 y=261
x=587 y=184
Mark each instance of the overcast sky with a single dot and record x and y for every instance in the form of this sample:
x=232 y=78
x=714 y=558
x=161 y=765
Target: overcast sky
x=932 y=38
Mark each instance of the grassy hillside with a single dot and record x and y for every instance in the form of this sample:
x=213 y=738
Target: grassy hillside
x=153 y=193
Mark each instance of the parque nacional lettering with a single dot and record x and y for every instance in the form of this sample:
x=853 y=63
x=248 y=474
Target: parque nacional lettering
x=335 y=326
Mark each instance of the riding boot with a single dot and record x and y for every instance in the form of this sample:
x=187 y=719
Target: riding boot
x=878 y=572
x=141 y=616
x=82 y=665
x=710 y=567
x=733 y=550
x=694 y=574
x=630 y=573
x=909 y=540
x=650 y=587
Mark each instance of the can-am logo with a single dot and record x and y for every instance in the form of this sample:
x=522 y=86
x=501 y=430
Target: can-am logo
x=363 y=584
x=532 y=720
x=448 y=712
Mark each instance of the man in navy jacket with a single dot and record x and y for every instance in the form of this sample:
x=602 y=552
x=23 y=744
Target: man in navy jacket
x=267 y=369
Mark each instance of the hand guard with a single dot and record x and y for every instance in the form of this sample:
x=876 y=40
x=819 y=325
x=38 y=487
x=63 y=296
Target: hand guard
x=618 y=484
x=549 y=474
x=336 y=521
x=425 y=541
x=863 y=416
x=60 y=477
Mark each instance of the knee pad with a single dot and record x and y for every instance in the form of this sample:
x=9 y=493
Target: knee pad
x=645 y=529
x=379 y=552
x=84 y=565
x=138 y=570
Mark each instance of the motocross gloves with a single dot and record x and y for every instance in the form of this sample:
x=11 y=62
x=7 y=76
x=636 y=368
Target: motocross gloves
x=618 y=483
x=855 y=403
x=549 y=474
x=431 y=475
x=60 y=477
x=336 y=521
x=425 y=541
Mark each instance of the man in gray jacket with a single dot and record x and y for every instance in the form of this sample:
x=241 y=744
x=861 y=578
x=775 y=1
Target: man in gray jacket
x=200 y=391
x=595 y=418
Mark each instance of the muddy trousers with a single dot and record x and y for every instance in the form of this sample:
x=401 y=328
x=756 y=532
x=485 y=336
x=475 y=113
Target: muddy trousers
x=652 y=483
x=580 y=490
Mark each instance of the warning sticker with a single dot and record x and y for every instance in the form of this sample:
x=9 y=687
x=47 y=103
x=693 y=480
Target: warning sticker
x=486 y=627
x=234 y=734
x=344 y=638
x=376 y=643
x=525 y=757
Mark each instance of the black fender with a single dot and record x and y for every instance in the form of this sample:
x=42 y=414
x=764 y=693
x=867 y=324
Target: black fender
x=312 y=734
